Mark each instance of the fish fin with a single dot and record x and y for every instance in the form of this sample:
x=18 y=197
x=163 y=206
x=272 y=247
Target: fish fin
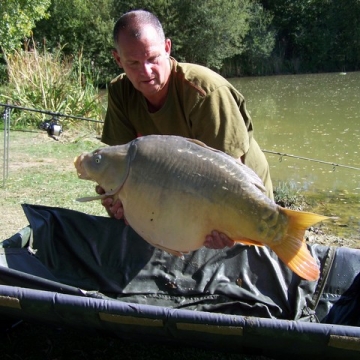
x=91 y=198
x=301 y=220
x=249 y=242
x=293 y=250
x=99 y=197
x=295 y=254
x=200 y=143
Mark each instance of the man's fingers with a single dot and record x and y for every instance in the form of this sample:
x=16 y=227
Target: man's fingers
x=226 y=240
x=208 y=241
x=113 y=208
x=117 y=210
x=217 y=240
x=107 y=202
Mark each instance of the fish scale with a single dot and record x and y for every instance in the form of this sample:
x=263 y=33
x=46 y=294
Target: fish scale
x=204 y=170
x=175 y=191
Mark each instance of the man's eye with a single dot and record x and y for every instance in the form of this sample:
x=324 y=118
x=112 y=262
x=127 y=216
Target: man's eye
x=154 y=59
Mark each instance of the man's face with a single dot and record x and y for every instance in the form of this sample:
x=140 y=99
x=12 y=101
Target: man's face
x=145 y=61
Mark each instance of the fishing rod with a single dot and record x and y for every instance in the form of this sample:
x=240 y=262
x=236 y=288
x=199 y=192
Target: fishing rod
x=334 y=165
x=52 y=127
x=48 y=112
x=57 y=114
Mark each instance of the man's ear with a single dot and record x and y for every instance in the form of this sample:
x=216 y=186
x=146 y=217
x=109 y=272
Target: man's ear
x=116 y=56
x=168 y=46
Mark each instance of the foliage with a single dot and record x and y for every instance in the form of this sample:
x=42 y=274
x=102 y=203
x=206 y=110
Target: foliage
x=240 y=37
x=51 y=81
x=258 y=44
x=17 y=19
x=165 y=10
x=212 y=31
x=205 y=32
x=81 y=26
x=316 y=35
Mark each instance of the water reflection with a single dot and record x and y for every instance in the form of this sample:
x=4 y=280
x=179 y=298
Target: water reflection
x=315 y=116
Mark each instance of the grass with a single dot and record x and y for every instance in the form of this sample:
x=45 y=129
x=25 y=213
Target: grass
x=42 y=178
x=41 y=171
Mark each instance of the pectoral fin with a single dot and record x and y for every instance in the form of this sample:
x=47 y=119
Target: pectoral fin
x=99 y=197
x=249 y=242
x=91 y=198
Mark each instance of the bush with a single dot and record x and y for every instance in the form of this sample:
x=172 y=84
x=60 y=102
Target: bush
x=52 y=82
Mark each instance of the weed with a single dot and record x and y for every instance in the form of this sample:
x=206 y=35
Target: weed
x=288 y=195
x=51 y=81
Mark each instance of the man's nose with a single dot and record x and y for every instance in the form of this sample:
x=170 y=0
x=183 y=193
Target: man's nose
x=146 y=68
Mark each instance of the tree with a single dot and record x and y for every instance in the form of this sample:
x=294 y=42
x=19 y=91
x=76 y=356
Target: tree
x=317 y=35
x=211 y=31
x=81 y=26
x=205 y=32
x=17 y=19
x=258 y=44
x=165 y=10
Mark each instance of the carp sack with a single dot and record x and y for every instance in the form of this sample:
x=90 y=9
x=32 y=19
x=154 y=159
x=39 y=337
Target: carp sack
x=175 y=191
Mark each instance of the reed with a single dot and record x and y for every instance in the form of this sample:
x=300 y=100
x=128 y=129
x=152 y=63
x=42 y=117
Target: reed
x=51 y=81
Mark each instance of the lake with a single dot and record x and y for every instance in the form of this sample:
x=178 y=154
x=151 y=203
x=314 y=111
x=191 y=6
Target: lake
x=315 y=116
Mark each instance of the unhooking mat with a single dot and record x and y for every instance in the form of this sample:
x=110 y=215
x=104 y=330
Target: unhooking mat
x=77 y=270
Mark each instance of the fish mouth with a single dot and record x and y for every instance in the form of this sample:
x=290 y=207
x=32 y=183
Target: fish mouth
x=81 y=172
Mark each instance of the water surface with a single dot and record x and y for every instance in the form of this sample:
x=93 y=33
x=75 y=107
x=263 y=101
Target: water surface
x=313 y=116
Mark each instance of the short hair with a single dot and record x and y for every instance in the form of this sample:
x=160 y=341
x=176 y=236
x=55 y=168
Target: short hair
x=132 y=21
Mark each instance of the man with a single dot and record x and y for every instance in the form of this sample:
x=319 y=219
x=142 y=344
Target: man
x=158 y=95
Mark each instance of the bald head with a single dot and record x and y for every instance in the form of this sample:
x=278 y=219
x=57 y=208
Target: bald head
x=134 y=24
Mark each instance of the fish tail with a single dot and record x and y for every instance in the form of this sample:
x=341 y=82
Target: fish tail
x=293 y=250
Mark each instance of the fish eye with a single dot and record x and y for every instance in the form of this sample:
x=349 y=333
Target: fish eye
x=97 y=158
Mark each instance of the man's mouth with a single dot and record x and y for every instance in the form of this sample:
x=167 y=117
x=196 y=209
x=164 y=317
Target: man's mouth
x=150 y=81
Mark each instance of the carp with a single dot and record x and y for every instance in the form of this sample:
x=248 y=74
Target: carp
x=176 y=190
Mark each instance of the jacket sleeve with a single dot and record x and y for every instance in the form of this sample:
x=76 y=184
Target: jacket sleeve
x=220 y=120
x=117 y=128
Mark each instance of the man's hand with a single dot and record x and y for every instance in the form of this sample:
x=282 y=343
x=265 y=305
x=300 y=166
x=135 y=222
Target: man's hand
x=113 y=208
x=217 y=240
